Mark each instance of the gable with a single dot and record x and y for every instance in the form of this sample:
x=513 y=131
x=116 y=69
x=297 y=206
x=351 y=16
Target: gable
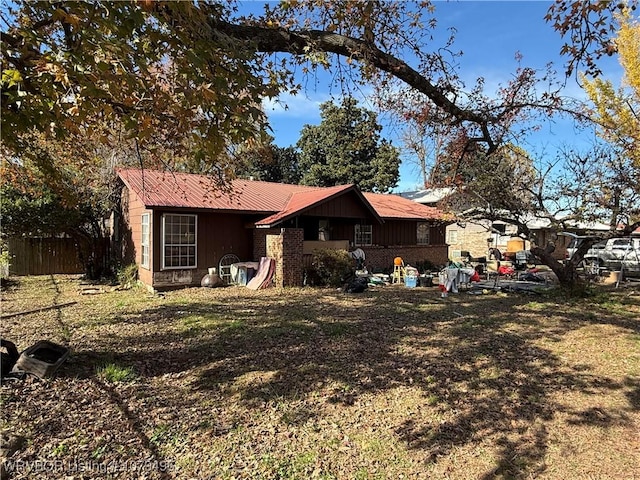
x=341 y=201
x=348 y=205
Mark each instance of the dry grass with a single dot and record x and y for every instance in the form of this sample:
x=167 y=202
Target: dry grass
x=392 y=383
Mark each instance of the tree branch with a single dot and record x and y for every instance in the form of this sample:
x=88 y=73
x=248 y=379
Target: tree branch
x=273 y=40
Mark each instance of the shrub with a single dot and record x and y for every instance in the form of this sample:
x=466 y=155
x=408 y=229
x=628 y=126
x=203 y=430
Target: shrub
x=331 y=267
x=127 y=275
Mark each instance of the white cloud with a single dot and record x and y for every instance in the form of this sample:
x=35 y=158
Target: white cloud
x=297 y=106
x=307 y=105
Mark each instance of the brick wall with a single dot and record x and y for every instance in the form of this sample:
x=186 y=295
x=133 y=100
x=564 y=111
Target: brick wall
x=274 y=250
x=260 y=241
x=472 y=238
x=286 y=249
x=381 y=258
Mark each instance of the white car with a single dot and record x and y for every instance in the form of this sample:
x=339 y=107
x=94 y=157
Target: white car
x=611 y=254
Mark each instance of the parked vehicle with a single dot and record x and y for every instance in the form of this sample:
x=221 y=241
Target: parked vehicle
x=612 y=254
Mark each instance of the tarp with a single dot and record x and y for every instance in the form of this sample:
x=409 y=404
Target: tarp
x=264 y=275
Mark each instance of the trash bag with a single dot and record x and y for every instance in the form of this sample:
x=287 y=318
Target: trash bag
x=357 y=285
x=9 y=358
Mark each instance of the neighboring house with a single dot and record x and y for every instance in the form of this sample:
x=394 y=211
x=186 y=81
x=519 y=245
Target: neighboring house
x=479 y=236
x=175 y=226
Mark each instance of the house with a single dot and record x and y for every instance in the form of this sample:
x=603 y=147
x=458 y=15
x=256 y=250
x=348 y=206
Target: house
x=479 y=236
x=175 y=226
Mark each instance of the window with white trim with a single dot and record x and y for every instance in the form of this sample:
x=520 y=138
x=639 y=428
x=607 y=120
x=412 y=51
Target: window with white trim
x=179 y=233
x=452 y=237
x=422 y=233
x=145 y=240
x=363 y=235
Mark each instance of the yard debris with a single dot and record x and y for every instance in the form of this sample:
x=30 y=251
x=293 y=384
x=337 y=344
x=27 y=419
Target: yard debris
x=10 y=357
x=212 y=280
x=41 y=359
x=92 y=290
x=356 y=285
x=36 y=310
x=264 y=276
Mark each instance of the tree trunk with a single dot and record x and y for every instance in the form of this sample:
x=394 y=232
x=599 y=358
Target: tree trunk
x=567 y=272
x=92 y=253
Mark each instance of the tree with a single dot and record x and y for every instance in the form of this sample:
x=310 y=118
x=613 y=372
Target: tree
x=617 y=111
x=61 y=187
x=268 y=162
x=66 y=65
x=197 y=71
x=423 y=145
x=590 y=27
x=346 y=148
x=501 y=186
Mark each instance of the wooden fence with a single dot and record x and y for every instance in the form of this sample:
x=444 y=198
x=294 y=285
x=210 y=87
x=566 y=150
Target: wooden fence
x=43 y=256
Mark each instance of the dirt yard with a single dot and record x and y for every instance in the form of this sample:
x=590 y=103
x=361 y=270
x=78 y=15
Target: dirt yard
x=305 y=383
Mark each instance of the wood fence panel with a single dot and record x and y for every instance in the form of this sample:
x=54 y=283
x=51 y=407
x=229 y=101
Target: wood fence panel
x=44 y=256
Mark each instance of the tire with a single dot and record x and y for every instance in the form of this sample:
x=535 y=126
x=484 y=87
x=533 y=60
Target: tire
x=591 y=267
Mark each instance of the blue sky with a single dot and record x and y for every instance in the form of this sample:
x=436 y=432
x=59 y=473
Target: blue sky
x=490 y=33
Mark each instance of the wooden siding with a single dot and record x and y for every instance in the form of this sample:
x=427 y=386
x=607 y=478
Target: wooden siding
x=437 y=234
x=218 y=234
x=392 y=232
x=345 y=206
x=131 y=238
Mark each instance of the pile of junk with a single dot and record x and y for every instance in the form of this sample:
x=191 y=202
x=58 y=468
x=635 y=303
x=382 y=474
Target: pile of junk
x=41 y=359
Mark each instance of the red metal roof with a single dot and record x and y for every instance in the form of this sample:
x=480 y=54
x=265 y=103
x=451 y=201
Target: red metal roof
x=397 y=207
x=184 y=190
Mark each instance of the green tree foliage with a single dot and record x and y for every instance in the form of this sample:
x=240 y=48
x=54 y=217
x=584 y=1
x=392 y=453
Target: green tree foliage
x=268 y=162
x=346 y=148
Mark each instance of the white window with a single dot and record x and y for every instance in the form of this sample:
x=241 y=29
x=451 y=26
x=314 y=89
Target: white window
x=179 y=233
x=423 y=233
x=452 y=237
x=364 y=235
x=145 y=241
